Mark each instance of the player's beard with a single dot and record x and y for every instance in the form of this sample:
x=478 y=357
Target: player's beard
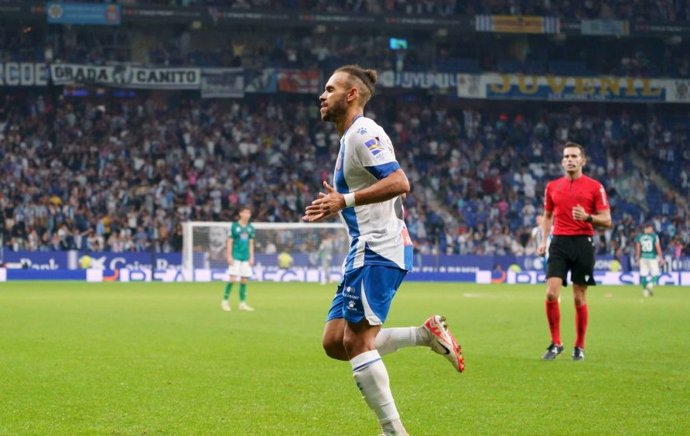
x=335 y=111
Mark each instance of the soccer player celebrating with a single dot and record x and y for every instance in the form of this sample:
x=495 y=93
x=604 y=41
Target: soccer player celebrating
x=649 y=256
x=576 y=203
x=367 y=192
x=240 y=257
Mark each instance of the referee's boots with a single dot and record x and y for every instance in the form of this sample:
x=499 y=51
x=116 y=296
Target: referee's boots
x=552 y=351
x=578 y=353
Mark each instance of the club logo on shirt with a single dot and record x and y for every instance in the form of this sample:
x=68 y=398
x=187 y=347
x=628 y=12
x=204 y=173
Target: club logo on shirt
x=374 y=146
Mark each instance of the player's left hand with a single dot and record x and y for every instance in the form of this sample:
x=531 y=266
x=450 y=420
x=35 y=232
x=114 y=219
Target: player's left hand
x=579 y=213
x=325 y=206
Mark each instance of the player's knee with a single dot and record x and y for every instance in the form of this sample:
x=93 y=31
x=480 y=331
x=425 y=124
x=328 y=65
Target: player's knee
x=334 y=349
x=552 y=293
x=553 y=288
x=579 y=296
x=356 y=344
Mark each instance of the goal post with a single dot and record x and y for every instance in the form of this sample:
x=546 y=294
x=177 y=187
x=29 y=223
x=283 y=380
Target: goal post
x=315 y=250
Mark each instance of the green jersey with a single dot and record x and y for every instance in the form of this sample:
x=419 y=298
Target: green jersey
x=647 y=243
x=241 y=237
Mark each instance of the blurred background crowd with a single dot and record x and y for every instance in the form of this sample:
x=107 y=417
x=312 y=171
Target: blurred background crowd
x=120 y=171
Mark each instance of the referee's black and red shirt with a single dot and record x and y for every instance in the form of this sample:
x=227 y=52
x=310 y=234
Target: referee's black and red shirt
x=563 y=194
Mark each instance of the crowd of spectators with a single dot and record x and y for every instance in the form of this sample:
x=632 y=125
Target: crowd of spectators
x=493 y=171
x=123 y=174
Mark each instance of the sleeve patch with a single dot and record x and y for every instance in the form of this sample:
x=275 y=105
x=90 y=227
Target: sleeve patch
x=374 y=146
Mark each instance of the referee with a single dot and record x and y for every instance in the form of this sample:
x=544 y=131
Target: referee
x=573 y=205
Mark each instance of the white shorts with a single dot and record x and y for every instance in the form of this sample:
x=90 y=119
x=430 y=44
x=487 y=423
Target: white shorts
x=240 y=268
x=648 y=266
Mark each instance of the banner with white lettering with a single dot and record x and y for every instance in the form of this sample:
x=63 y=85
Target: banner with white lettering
x=68 y=74
x=23 y=74
x=222 y=83
x=165 y=78
x=566 y=88
x=417 y=80
x=126 y=77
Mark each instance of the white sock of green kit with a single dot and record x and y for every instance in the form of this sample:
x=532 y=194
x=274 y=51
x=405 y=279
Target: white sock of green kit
x=372 y=380
x=390 y=340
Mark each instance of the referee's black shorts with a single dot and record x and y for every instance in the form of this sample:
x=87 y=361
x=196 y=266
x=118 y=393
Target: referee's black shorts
x=574 y=254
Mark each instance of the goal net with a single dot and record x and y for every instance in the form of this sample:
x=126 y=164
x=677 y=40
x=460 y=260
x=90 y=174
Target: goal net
x=282 y=251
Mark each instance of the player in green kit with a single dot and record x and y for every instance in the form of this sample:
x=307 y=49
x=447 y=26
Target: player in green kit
x=649 y=256
x=240 y=257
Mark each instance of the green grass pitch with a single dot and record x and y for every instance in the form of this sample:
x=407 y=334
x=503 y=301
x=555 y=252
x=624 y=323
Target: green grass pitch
x=161 y=358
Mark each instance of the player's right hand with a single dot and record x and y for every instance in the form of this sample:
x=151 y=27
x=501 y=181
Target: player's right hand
x=325 y=206
x=541 y=250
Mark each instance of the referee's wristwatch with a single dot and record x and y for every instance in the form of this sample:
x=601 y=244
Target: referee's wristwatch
x=589 y=219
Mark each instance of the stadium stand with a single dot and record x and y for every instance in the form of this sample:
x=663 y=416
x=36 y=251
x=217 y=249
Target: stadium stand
x=72 y=167
x=115 y=169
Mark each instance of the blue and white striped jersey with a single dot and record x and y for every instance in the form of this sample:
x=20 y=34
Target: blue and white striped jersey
x=378 y=235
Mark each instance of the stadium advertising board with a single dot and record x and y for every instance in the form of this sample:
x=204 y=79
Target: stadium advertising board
x=62 y=274
x=38 y=260
x=261 y=274
x=516 y=24
x=605 y=27
x=297 y=19
x=83 y=13
x=271 y=274
x=570 y=88
x=679 y=27
x=677 y=278
x=59 y=260
x=274 y=274
x=157 y=14
x=74 y=265
x=427 y=263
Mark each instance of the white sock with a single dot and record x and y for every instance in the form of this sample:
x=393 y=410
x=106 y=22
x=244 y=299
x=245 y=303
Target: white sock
x=390 y=340
x=372 y=380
